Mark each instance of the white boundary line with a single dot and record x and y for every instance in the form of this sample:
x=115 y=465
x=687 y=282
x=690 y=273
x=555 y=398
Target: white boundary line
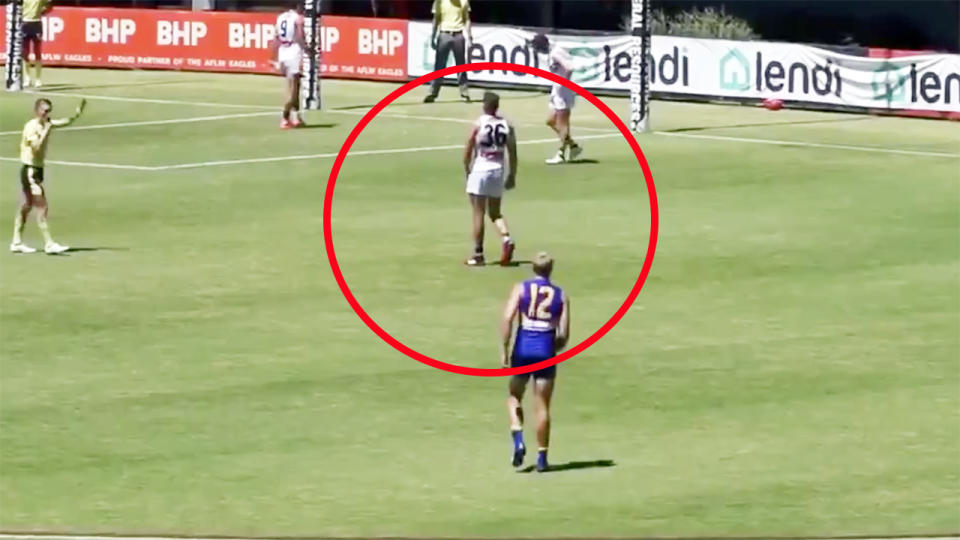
x=42 y=536
x=353 y=153
x=187 y=120
x=161 y=101
x=91 y=165
x=774 y=142
x=292 y=158
x=808 y=144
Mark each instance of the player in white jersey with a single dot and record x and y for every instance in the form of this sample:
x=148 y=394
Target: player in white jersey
x=288 y=48
x=492 y=136
x=562 y=99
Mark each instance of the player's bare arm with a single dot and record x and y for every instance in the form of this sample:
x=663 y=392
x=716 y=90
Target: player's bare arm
x=467 y=30
x=563 y=329
x=64 y=122
x=300 y=36
x=506 y=324
x=511 y=181
x=275 y=53
x=434 y=34
x=468 y=149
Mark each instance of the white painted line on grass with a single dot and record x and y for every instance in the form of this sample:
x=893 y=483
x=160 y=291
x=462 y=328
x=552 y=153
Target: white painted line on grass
x=449 y=119
x=775 y=142
x=301 y=157
x=64 y=536
x=161 y=101
x=155 y=122
x=91 y=165
x=351 y=153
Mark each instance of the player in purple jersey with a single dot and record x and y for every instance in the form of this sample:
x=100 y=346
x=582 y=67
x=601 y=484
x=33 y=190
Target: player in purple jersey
x=542 y=312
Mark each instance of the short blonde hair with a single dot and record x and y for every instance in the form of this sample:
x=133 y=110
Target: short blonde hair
x=543 y=264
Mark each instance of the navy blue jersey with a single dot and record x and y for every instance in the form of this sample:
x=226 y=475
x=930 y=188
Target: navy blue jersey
x=541 y=304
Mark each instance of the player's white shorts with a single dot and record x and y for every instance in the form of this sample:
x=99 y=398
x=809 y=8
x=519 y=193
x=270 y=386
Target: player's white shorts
x=290 y=58
x=488 y=183
x=562 y=98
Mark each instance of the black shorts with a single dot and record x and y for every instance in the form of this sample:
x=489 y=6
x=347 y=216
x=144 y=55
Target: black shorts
x=25 y=174
x=31 y=30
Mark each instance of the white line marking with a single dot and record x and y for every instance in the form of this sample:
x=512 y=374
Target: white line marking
x=53 y=536
x=748 y=140
x=352 y=153
x=808 y=144
x=155 y=122
x=91 y=165
x=161 y=101
x=293 y=158
x=448 y=119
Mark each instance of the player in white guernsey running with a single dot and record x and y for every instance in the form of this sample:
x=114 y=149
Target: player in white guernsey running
x=562 y=99
x=487 y=176
x=288 y=48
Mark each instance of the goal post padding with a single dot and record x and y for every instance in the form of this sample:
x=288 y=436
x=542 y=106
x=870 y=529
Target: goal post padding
x=640 y=78
x=13 y=69
x=310 y=96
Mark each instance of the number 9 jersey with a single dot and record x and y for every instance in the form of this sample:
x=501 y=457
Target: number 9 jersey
x=540 y=308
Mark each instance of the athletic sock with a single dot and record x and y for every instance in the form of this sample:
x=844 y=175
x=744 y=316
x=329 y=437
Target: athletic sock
x=17 y=228
x=45 y=229
x=517 y=437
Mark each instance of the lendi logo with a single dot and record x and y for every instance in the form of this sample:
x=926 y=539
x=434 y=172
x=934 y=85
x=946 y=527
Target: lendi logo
x=888 y=84
x=734 y=71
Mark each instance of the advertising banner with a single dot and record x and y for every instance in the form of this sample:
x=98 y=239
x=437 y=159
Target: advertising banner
x=214 y=41
x=718 y=68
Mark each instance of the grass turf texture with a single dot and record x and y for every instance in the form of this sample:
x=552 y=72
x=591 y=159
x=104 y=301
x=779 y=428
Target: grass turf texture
x=790 y=368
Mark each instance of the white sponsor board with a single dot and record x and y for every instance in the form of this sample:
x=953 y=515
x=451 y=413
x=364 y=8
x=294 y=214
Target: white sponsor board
x=709 y=67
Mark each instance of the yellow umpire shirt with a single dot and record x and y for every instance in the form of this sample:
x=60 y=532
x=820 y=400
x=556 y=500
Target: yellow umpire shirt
x=454 y=14
x=33 y=133
x=33 y=10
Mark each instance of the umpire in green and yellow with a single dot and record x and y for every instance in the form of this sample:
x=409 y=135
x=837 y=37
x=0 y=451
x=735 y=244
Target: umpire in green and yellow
x=451 y=32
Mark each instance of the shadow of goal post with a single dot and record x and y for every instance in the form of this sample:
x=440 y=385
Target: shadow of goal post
x=640 y=79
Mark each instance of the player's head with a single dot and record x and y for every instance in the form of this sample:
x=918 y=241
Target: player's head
x=294 y=5
x=543 y=264
x=42 y=108
x=540 y=43
x=491 y=102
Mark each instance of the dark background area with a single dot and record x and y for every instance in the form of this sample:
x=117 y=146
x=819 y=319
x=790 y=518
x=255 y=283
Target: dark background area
x=896 y=24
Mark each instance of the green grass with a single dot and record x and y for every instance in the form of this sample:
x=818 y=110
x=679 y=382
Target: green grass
x=791 y=367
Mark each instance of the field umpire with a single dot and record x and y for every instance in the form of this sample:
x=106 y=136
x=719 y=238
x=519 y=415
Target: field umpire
x=451 y=31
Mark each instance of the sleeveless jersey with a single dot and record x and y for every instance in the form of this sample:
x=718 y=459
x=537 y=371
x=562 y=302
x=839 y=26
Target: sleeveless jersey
x=490 y=142
x=541 y=304
x=558 y=57
x=287 y=27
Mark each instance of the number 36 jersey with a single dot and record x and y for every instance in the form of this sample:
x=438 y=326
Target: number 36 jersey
x=490 y=138
x=541 y=304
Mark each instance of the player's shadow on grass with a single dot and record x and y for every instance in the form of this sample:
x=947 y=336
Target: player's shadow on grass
x=587 y=161
x=317 y=126
x=573 y=466
x=514 y=264
x=84 y=249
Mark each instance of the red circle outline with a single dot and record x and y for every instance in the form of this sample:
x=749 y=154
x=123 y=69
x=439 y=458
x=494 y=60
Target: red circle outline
x=489 y=372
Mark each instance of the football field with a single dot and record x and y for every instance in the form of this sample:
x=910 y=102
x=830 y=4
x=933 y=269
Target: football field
x=792 y=366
